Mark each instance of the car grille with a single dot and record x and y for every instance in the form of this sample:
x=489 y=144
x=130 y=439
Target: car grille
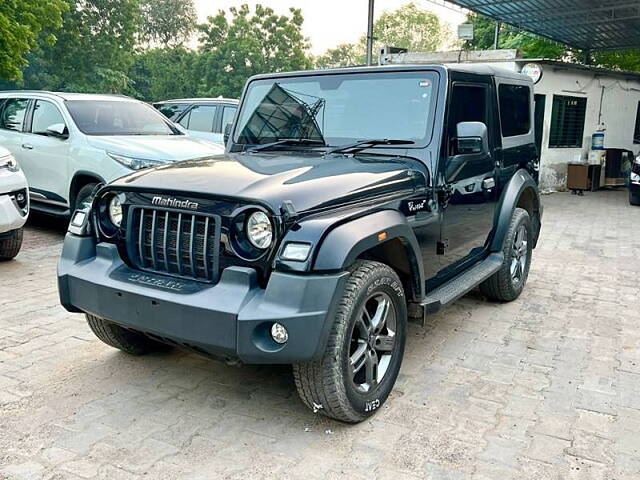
x=180 y=244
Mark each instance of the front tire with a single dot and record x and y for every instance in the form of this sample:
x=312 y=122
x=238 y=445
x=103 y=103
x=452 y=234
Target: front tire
x=10 y=244
x=365 y=348
x=634 y=199
x=507 y=284
x=129 y=341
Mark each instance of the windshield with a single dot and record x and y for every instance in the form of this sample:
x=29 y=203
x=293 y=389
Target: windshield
x=339 y=109
x=117 y=117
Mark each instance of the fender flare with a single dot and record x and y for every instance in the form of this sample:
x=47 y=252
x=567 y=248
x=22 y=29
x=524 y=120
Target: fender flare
x=517 y=186
x=345 y=243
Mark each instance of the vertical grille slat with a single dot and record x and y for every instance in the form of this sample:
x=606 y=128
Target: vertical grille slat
x=178 y=238
x=152 y=241
x=179 y=244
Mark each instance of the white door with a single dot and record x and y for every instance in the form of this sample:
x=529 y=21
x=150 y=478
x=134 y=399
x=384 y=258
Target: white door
x=49 y=153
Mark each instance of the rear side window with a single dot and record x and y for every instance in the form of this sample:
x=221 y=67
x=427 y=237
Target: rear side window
x=515 y=112
x=45 y=114
x=171 y=110
x=13 y=114
x=227 y=117
x=200 y=118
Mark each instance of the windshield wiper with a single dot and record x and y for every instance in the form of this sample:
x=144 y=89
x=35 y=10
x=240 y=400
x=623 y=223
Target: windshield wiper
x=287 y=141
x=362 y=144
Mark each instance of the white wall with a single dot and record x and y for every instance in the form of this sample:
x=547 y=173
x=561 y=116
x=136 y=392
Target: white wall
x=619 y=106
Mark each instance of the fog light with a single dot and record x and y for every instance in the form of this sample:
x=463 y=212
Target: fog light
x=279 y=333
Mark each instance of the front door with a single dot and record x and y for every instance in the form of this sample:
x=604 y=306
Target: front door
x=470 y=190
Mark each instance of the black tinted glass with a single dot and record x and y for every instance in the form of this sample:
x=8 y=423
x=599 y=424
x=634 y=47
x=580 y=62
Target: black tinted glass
x=515 y=115
x=13 y=114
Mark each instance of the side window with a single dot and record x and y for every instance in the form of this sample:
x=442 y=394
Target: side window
x=636 y=132
x=228 y=115
x=468 y=104
x=201 y=118
x=515 y=111
x=45 y=114
x=567 y=122
x=184 y=121
x=13 y=114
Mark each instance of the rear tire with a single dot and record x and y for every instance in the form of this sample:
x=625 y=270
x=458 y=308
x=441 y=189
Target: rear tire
x=10 y=244
x=364 y=351
x=129 y=341
x=634 y=199
x=507 y=284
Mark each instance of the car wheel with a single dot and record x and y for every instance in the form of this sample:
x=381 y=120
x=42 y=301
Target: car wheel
x=507 y=284
x=365 y=348
x=634 y=199
x=10 y=244
x=84 y=196
x=129 y=341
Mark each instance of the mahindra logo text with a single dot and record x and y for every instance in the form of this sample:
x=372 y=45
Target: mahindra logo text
x=174 y=203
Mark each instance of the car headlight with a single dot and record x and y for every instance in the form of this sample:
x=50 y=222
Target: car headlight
x=635 y=178
x=134 y=163
x=115 y=211
x=259 y=230
x=9 y=163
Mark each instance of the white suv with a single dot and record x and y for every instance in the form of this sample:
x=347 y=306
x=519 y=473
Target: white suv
x=67 y=143
x=14 y=205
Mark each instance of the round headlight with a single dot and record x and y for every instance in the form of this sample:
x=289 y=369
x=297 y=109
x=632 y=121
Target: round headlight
x=115 y=211
x=259 y=230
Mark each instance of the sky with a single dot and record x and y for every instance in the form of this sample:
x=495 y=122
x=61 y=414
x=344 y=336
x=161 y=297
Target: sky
x=328 y=23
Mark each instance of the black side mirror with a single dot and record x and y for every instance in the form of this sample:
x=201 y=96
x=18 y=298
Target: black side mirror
x=472 y=138
x=227 y=132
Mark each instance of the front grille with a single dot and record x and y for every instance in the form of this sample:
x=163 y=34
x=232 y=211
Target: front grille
x=180 y=244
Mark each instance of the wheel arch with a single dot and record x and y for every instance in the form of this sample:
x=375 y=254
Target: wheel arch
x=383 y=236
x=80 y=179
x=521 y=192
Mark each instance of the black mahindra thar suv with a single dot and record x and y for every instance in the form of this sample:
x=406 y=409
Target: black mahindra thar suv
x=348 y=203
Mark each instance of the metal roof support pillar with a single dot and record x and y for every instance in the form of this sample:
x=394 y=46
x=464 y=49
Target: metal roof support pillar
x=587 y=56
x=370 y=34
x=496 y=36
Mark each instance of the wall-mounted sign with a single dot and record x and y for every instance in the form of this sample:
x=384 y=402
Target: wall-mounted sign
x=533 y=71
x=465 y=31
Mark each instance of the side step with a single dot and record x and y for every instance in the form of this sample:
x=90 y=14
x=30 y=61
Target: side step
x=50 y=209
x=456 y=288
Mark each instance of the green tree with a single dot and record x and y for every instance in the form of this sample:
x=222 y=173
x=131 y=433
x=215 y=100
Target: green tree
x=93 y=52
x=21 y=24
x=247 y=44
x=413 y=28
x=168 y=23
x=618 y=59
x=164 y=73
x=344 y=55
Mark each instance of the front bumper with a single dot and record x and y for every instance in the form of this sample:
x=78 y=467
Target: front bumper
x=11 y=216
x=231 y=319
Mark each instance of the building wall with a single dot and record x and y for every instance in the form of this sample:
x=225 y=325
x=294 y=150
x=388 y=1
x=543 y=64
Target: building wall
x=619 y=107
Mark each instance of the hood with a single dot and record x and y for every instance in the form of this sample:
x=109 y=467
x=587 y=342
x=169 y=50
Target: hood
x=309 y=181
x=168 y=148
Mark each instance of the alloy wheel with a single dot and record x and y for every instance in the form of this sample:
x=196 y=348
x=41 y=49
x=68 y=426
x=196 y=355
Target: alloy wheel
x=519 y=255
x=373 y=342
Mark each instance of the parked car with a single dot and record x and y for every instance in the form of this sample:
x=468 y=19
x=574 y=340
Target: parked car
x=205 y=118
x=634 y=182
x=67 y=143
x=14 y=205
x=332 y=221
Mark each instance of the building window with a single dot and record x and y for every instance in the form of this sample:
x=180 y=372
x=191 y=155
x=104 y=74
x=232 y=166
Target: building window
x=636 y=132
x=567 y=122
x=515 y=114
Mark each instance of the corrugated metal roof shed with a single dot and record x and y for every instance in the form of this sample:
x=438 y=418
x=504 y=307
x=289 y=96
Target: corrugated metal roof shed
x=586 y=24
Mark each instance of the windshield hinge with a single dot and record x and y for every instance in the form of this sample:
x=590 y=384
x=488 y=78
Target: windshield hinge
x=288 y=211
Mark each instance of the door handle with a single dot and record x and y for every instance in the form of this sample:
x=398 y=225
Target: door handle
x=488 y=183
x=27 y=146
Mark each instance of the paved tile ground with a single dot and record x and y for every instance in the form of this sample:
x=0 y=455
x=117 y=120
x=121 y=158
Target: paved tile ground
x=547 y=387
